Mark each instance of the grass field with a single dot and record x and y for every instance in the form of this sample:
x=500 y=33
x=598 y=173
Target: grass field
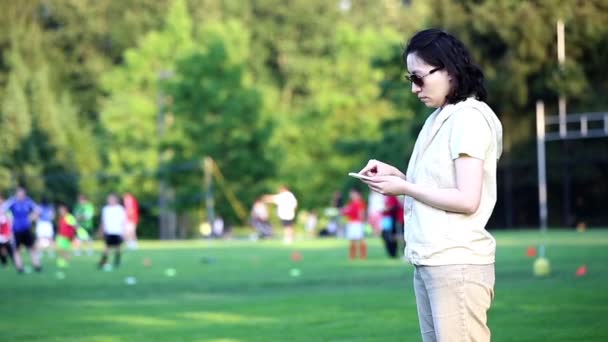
x=243 y=291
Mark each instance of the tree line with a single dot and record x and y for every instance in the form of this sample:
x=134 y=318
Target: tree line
x=100 y=96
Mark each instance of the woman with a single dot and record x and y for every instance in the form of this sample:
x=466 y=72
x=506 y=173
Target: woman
x=450 y=189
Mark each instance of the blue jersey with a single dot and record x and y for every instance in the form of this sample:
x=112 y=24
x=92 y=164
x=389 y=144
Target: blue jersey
x=21 y=210
x=47 y=213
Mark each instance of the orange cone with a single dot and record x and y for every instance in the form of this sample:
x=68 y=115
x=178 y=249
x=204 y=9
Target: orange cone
x=531 y=252
x=581 y=271
x=296 y=256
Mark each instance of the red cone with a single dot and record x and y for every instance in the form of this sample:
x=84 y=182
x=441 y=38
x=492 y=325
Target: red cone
x=581 y=271
x=296 y=256
x=531 y=252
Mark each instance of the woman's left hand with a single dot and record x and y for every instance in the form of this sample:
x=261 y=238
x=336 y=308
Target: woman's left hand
x=387 y=185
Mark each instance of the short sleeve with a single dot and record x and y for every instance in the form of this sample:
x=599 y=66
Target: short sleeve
x=471 y=135
x=34 y=206
x=69 y=219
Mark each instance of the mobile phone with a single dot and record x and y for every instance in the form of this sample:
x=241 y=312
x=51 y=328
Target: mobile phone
x=359 y=176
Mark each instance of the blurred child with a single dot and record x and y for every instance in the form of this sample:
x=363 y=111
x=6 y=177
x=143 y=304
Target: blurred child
x=84 y=212
x=113 y=224
x=375 y=207
x=6 y=235
x=45 y=231
x=259 y=219
x=355 y=228
x=311 y=223
x=24 y=211
x=391 y=225
x=333 y=216
x=131 y=207
x=218 y=227
x=286 y=204
x=67 y=232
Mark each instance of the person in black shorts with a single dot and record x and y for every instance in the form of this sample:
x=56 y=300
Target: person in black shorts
x=113 y=223
x=112 y=240
x=24 y=211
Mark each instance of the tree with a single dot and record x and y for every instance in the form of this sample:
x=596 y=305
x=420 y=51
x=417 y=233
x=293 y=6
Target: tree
x=36 y=145
x=313 y=65
x=130 y=113
x=87 y=38
x=15 y=123
x=342 y=113
x=215 y=114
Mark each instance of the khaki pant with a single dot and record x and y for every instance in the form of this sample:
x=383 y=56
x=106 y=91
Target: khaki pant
x=452 y=301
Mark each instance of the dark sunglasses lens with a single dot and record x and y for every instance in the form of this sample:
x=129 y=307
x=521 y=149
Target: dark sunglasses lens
x=417 y=80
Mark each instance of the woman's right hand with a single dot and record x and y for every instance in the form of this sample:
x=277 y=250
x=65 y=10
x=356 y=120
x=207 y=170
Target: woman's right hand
x=378 y=168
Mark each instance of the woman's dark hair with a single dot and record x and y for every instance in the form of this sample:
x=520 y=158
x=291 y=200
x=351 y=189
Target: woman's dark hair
x=441 y=49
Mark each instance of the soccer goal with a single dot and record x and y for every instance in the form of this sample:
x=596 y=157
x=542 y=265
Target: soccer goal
x=562 y=127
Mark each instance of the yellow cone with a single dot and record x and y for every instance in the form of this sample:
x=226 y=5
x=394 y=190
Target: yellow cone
x=542 y=267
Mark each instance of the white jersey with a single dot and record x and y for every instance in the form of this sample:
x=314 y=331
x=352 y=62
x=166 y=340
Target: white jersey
x=286 y=205
x=437 y=237
x=114 y=219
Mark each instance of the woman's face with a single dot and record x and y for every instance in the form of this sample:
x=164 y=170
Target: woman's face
x=436 y=85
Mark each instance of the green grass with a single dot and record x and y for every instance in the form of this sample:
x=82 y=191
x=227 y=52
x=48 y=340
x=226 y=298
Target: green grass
x=243 y=291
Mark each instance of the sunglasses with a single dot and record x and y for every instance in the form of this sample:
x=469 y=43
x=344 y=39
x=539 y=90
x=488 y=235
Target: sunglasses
x=419 y=80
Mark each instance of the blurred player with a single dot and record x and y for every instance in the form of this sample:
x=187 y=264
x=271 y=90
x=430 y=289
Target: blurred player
x=113 y=224
x=45 y=232
x=392 y=225
x=259 y=220
x=286 y=204
x=132 y=208
x=6 y=235
x=312 y=219
x=355 y=228
x=84 y=212
x=66 y=234
x=24 y=212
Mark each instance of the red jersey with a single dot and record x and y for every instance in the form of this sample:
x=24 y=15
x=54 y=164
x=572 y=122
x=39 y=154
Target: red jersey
x=393 y=208
x=67 y=226
x=6 y=230
x=355 y=211
x=132 y=208
x=390 y=203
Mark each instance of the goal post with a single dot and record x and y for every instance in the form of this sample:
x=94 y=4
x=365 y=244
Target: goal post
x=587 y=125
